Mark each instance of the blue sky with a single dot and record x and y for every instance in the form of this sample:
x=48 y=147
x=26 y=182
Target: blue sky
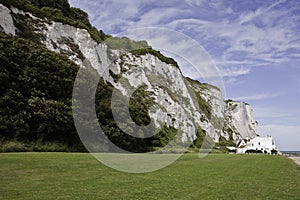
x=254 y=44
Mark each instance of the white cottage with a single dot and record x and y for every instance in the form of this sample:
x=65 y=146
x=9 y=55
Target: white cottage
x=257 y=145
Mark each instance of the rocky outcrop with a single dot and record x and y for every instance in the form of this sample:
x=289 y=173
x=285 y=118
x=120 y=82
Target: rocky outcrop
x=239 y=116
x=6 y=21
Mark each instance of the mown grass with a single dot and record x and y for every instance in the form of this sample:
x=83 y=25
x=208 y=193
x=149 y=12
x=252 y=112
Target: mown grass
x=80 y=176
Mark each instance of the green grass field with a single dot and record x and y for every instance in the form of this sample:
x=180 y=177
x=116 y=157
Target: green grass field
x=80 y=176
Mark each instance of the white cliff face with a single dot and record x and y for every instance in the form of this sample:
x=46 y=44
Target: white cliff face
x=174 y=105
x=6 y=21
x=214 y=98
x=61 y=37
x=175 y=102
x=241 y=118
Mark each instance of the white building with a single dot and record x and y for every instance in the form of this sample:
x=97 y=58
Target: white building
x=257 y=145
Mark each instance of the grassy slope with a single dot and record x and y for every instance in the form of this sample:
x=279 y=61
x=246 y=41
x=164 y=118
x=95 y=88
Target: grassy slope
x=80 y=176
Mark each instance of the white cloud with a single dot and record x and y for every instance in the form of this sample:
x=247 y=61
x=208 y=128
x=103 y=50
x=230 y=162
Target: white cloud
x=249 y=16
x=286 y=137
x=257 y=97
x=195 y=2
x=230 y=81
x=159 y=16
x=233 y=71
x=257 y=44
x=110 y=15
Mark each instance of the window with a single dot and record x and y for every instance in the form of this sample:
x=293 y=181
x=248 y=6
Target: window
x=258 y=143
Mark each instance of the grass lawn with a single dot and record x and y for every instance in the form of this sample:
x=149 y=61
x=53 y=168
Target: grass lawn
x=80 y=176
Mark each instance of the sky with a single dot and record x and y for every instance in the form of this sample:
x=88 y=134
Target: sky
x=254 y=46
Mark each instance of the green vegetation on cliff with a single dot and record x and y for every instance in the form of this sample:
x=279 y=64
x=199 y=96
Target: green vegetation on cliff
x=203 y=105
x=57 y=10
x=158 y=54
x=125 y=43
x=137 y=48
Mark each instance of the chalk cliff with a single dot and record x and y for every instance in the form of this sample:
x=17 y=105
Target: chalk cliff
x=179 y=102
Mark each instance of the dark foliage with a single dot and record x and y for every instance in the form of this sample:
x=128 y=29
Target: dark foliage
x=36 y=88
x=224 y=143
x=200 y=138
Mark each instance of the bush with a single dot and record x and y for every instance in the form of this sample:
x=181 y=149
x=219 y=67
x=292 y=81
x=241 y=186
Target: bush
x=158 y=54
x=204 y=106
x=125 y=43
x=139 y=105
x=36 y=146
x=200 y=137
x=49 y=147
x=224 y=143
x=13 y=146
